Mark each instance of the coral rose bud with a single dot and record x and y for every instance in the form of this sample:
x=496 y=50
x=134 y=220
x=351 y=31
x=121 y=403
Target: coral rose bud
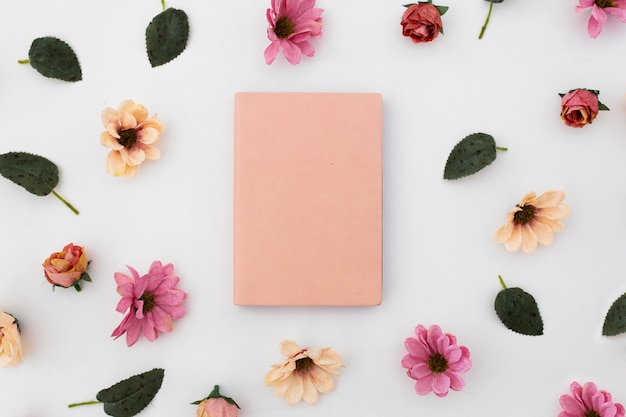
x=579 y=107
x=421 y=22
x=10 y=341
x=216 y=407
x=66 y=268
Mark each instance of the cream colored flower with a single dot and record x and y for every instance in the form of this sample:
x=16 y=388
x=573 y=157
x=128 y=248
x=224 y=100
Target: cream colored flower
x=130 y=134
x=305 y=373
x=10 y=341
x=533 y=221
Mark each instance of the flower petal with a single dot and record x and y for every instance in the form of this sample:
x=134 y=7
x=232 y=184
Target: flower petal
x=441 y=384
x=271 y=51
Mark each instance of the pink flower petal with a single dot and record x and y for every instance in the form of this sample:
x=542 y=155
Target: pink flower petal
x=271 y=51
x=420 y=371
x=433 y=335
x=571 y=406
x=456 y=382
x=417 y=349
x=594 y=27
x=423 y=386
x=441 y=384
x=617 y=12
x=291 y=52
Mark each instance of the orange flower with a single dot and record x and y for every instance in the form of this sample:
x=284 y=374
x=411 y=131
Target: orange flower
x=305 y=372
x=534 y=220
x=130 y=134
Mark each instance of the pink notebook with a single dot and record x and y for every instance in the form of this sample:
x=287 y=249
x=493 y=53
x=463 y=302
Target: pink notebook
x=308 y=199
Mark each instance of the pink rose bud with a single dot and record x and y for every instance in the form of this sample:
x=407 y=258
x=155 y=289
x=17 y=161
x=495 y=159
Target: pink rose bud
x=421 y=22
x=67 y=267
x=579 y=107
x=216 y=407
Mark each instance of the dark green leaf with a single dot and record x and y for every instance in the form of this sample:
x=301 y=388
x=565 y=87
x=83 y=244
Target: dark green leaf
x=85 y=277
x=470 y=155
x=130 y=396
x=35 y=173
x=494 y=1
x=518 y=311
x=408 y=4
x=166 y=36
x=615 y=320
x=53 y=58
x=442 y=9
x=602 y=106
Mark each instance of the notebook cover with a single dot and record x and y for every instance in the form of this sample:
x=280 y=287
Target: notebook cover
x=308 y=199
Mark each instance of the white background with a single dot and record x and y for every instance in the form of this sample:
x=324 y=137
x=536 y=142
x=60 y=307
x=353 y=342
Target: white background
x=440 y=260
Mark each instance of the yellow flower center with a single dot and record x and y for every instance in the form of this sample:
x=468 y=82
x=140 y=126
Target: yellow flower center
x=128 y=138
x=148 y=302
x=304 y=364
x=605 y=3
x=437 y=363
x=285 y=27
x=525 y=215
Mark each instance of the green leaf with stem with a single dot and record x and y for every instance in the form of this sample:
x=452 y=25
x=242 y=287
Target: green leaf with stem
x=130 y=396
x=34 y=173
x=518 y=310
x=473 y=153
x=167 y=36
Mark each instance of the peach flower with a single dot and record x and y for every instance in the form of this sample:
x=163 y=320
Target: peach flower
x=304 y=373
x=534 y=220
x=10 y=341
x=131 y=135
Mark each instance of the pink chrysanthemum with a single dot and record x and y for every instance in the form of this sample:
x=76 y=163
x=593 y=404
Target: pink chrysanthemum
x=588 y=401
x=435 y=361
x=599 y=10
x=152 y=300
x=292 y=24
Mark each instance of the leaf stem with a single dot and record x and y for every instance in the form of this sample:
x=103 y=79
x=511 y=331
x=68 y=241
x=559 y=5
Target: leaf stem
x=65 y=202
x=482 y=30
x=84 y=403
x=502 y=148
x=163 y=4
x=502 y=282
x=23 y=61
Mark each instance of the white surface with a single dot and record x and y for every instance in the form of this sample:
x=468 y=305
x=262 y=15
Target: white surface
x=440 y=260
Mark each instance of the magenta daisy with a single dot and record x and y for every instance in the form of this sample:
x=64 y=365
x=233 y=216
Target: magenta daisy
x=599 y=10
x=292 y=24
x=588 y=401
x=435 y=361
x=152 y=302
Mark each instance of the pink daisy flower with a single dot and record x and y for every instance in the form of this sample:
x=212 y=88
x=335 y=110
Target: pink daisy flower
x=587 y=401
x=599 y=10
x=152 y=302
x=435 y=361
x=292 y=24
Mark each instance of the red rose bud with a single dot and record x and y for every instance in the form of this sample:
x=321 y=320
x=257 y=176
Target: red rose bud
x=579 y=107
x=421 y=22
